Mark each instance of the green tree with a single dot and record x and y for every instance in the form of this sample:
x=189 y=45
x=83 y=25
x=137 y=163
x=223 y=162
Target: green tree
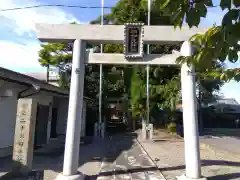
x=123 y=81
x=163 y=80
x=217 y=43
x=136 y=11
x=59 y=55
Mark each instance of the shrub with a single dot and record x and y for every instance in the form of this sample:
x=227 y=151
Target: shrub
x=172 y=127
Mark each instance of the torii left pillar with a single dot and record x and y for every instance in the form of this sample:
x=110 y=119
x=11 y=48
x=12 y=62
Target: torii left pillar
x=72 y=144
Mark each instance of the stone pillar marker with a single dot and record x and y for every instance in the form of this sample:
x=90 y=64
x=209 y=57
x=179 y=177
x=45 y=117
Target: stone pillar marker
x=24 y=135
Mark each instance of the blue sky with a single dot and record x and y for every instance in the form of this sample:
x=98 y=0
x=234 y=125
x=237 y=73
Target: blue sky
x=19 y=46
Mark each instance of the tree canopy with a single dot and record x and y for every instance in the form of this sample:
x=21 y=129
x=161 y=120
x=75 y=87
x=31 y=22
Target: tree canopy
x=129 y=82
x=219 y=43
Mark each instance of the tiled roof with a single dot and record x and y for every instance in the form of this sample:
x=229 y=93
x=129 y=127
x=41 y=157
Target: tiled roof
x=43 y=76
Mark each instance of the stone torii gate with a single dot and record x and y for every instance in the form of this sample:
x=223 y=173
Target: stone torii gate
x=133 y=36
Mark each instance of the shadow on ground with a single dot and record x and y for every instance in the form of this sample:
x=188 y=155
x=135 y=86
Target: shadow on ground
x=204 y=163
x=93 y=150
x=24 y=174
x=225 y=176
x=51 y=158
x=117 y=144
x=118 y=172
x=210 y=163
x=96 y=150
x=217 y=177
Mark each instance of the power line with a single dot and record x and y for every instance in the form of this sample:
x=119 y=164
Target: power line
x=55 y=5
x=62 y=5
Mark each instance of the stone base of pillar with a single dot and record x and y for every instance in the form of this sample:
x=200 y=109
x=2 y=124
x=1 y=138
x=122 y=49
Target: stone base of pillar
x=73 y=177
x=147 y=132
x=144 y=132
x=150 y=131
x=184 y=177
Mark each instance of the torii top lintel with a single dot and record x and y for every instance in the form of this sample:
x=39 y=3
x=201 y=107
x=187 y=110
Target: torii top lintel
x=112 y=34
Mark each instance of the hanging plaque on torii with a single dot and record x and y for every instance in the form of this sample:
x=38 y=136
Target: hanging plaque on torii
x=133 y=41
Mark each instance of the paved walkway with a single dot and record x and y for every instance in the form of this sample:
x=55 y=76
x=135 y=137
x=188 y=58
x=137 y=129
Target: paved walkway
x=119 y=157
x=230 y=144
x=126 y=160
x=90 y=159
x=168 y=153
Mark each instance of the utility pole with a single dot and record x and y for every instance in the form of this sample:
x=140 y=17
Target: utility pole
x=47 y=79
x=148 y=67
x=101 y=75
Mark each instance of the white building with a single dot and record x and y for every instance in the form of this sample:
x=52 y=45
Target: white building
x=53 y=76
x=52 y=108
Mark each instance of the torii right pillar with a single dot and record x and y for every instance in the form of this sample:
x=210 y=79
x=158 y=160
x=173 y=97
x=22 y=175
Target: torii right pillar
x=190 y=119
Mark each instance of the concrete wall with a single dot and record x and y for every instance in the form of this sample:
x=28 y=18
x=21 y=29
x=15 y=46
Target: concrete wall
x=8 y=110
x=62 y=117
x=43 y=98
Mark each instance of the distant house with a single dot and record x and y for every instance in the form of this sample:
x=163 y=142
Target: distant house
x=53 y=77
x=226 y=105
x=231 y=101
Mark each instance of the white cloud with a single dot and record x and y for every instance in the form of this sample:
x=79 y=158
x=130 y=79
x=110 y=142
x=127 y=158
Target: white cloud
x=15 y=54
x=231 y=90
x=23 y=20
x=18 y=55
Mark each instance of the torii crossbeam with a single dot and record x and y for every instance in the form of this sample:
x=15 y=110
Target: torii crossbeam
x=112 y=34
